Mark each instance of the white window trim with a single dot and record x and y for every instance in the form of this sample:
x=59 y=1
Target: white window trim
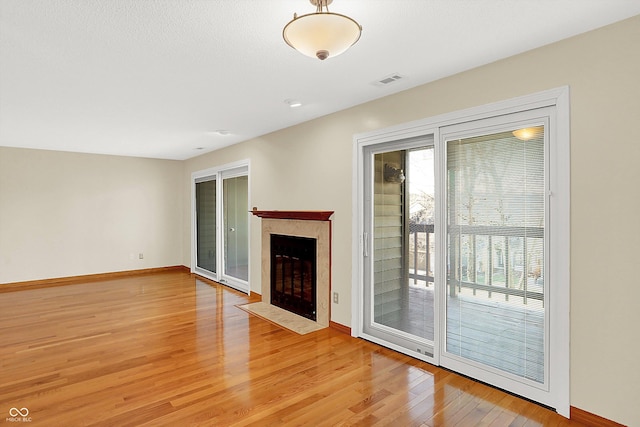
x=559 y=200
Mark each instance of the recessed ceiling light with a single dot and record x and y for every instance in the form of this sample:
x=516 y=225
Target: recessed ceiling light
x=293 y=103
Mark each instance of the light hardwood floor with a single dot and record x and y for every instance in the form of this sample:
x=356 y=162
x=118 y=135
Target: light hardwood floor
x=169 y=349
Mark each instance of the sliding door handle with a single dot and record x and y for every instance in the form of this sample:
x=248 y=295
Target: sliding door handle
x=365 y=244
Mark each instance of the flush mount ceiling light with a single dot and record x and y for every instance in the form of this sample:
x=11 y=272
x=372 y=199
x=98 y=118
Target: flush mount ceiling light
x=321 y=34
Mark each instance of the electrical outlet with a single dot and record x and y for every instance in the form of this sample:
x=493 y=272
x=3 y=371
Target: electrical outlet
x=140 y=255
x=335 y=297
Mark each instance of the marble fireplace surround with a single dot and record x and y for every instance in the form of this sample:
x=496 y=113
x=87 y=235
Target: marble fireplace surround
x=312 y=224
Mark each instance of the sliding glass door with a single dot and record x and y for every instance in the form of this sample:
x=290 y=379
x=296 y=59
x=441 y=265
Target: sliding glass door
x=455 y=241
x=221 y=225
x=400 y=206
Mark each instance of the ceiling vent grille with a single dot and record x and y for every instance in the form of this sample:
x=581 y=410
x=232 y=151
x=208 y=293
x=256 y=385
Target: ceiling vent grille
x=388 y=80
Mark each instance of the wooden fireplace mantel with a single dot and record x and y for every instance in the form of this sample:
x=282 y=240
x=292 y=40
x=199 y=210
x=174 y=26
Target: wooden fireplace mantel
x=301 y=215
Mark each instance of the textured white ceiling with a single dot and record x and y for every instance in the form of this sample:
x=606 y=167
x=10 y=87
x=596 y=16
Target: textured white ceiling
x=155 y=78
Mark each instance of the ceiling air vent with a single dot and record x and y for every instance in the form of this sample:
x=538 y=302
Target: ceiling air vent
x=387 y=80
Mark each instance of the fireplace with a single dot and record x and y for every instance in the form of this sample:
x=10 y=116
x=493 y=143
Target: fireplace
x=293 y=274
x=297 y=228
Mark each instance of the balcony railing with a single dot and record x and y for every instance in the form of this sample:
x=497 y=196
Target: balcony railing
x=494 y=259
x=420 y=254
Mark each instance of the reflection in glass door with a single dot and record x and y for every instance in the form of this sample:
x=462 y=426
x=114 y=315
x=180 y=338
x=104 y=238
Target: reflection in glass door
x=236 y=226
x=400 y=294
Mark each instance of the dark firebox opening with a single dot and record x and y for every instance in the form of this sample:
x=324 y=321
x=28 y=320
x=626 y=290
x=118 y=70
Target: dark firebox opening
x=293 y=274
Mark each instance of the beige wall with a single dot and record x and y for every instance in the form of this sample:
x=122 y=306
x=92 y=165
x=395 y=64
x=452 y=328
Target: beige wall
x=69 y=214
x=309 y=167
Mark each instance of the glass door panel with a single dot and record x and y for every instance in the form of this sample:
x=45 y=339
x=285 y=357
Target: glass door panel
x=495 y=310
x=400 y=289
x=236 y=226
x=206 y=225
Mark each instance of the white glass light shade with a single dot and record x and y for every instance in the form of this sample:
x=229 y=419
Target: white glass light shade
x=321 y=35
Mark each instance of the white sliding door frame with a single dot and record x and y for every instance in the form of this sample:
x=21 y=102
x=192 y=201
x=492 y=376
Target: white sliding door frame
x=558 y=199
x=416 y=346
x=219 y=173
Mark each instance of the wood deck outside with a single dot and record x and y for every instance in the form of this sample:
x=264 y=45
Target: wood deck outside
x=508 y=336
x=168 y=349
